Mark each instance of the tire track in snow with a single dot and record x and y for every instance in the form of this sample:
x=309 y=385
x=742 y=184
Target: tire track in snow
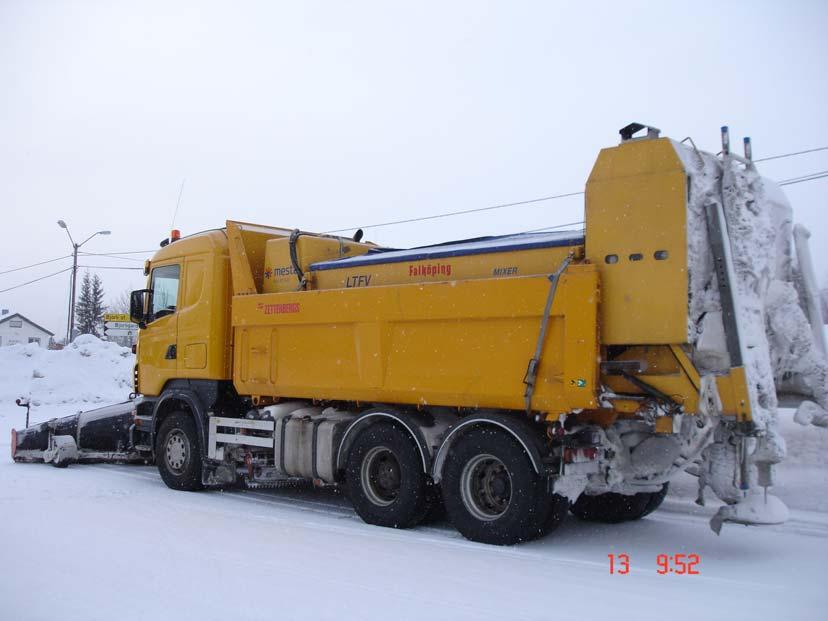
x=810 y=524
x=347 y=522
x=673 y=511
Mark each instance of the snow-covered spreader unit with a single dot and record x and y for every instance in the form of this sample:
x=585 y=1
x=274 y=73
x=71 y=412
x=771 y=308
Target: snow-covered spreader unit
x=511 y=379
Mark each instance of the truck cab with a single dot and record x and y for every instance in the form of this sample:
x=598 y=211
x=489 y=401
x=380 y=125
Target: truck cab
x=184 y=314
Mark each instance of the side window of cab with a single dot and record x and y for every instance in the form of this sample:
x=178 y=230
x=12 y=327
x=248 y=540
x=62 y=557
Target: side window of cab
x=165 y=280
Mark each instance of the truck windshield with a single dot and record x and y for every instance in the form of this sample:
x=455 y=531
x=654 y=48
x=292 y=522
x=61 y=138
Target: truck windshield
x=164 y=290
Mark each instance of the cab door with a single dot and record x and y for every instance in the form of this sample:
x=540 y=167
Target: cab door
x=158 y=349
x=194 y=312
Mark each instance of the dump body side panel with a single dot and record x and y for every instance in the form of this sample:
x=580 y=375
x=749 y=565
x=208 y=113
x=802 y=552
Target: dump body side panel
x=455 y=343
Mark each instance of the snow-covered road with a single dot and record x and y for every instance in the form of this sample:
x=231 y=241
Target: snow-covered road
x=109 y=541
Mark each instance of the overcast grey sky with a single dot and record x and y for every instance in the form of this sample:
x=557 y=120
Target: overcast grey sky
x=324 y=115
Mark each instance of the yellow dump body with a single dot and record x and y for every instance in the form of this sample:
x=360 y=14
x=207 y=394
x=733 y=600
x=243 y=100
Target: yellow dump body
x=390 y=326
x=455 y=324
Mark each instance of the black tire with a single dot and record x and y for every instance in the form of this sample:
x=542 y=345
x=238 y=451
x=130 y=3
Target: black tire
x=436 y=509
x=656 y=498
x=385 y=479
x=557 y=511
x=491 y=492
x=610 y=508
x=178 y=453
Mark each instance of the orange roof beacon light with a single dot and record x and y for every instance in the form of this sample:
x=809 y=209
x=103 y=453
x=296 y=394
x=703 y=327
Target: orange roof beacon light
x=175 y=235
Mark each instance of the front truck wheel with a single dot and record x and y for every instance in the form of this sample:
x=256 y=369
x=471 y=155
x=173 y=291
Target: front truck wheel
x=612 y=508
x=178 y=453
x=385 y=479
x=492 y=493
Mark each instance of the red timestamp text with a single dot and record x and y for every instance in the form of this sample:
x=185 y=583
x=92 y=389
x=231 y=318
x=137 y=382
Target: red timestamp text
x=678 y=564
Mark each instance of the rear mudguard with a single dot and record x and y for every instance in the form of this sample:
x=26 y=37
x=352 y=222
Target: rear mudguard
x=101 y=435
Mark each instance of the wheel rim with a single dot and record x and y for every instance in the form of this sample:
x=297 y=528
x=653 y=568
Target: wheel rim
x=380 y=476
x=176 y=451
x=486 y=487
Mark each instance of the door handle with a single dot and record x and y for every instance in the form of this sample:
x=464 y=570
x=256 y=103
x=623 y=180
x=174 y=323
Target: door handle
x=172 y=353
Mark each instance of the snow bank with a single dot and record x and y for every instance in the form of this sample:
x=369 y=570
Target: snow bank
x=757 y=261
x=825 y=307
x=778 y=346
x=776 y=339
x=89 y=371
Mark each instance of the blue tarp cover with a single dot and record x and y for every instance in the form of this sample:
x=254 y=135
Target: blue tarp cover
x=481 y=245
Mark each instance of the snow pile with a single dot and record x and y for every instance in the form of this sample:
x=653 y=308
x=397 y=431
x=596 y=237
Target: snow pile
x=777 y=347
x=778 y=351
x=798 y=365
x=87 y=371
x=823 y=295
x=825 y=306
x=753 y=243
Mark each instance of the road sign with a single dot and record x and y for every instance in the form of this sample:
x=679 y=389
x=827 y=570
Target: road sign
x=121 y=332
x=119 y=325
x=116 y=317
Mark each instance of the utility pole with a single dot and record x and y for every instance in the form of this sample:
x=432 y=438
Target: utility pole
x=71 y=320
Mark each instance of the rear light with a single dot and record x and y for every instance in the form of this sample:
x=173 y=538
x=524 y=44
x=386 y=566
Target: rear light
x=577 y=455
x=14 y=443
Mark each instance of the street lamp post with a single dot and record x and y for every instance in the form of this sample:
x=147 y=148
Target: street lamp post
x=75 y=247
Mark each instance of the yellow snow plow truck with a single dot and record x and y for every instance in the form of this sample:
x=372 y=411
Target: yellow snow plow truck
x=510 y=379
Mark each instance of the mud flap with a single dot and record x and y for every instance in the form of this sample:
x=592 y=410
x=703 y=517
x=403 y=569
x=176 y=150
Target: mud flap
x=217 y=474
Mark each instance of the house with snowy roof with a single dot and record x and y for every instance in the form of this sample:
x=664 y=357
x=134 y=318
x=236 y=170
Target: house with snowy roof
x=16 y=329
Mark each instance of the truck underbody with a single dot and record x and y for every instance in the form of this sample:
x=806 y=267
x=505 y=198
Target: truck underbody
x=324 y=443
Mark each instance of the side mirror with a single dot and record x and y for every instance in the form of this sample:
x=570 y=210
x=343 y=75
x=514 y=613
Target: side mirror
x=140 y=303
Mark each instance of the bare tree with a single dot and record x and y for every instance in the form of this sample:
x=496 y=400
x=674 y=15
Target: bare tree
x=120 y=303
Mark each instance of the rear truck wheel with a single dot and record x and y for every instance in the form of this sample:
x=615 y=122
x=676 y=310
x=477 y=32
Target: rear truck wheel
x=612 y=508
x=656 y=498
x=385 y=479
x=491 y=492
x=436 y=509
x=556 y=514
x=178 y=453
